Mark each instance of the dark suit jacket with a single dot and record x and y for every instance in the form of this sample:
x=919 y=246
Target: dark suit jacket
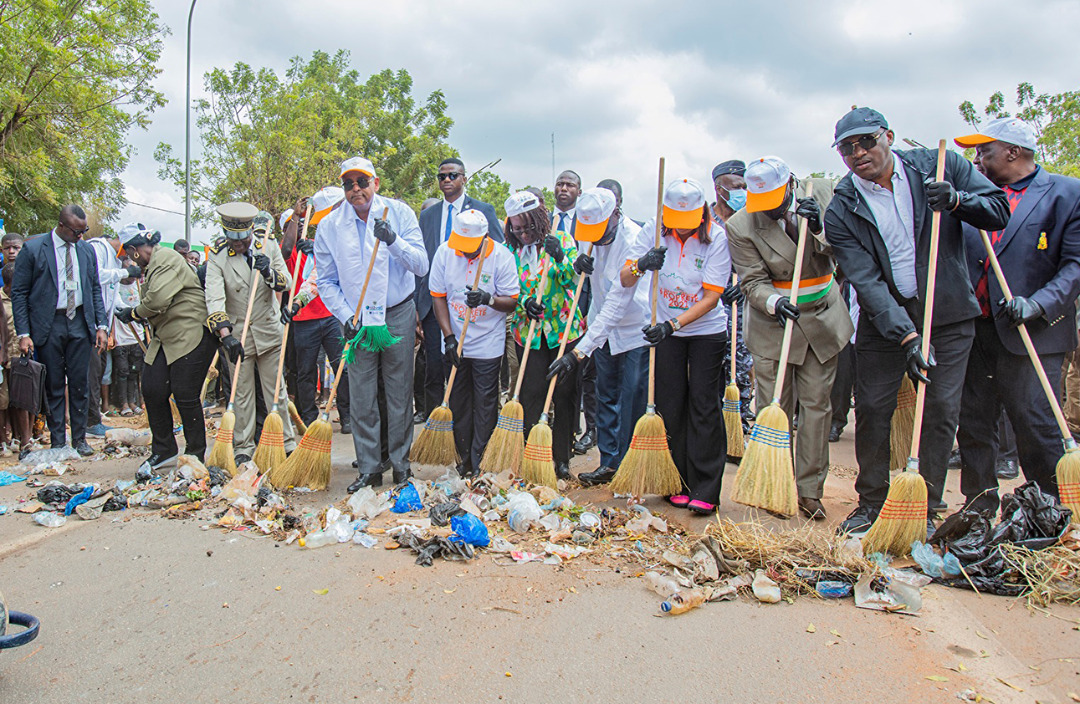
x=1039 y=253
x=430 y=221
x=33 y=289
x=860 y=251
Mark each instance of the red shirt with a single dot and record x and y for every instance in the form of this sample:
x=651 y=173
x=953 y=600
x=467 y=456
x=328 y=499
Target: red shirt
x=315 y=310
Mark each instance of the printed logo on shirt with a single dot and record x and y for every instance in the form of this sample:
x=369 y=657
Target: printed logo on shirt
x=485 y=278
x=699 y=262
x=677 y=299
x=461 y=310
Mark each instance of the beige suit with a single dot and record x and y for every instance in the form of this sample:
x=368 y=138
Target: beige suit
x=763 y=254
x=228 y=287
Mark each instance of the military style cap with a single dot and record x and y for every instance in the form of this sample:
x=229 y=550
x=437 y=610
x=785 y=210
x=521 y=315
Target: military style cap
x=237 y=219
x=263 y=223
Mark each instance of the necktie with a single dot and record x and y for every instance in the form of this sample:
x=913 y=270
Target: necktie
x=69 y=282
x=449 y=221
x=562 y=222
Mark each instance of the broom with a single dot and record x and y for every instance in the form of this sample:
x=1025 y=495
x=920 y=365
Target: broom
x=647 y=467
x=221 y=454
x=211 y=374
x=732 y=407
x=309 y=464
x=766 y=476
x=537 y=466
x=507 y=442
x=903 y=421
x=902 y=519
x=1068 y=467
x=294 y=413
x=270 y=452
x=435 y=443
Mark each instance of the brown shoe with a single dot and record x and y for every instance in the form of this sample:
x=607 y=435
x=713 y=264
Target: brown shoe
x=812 y=508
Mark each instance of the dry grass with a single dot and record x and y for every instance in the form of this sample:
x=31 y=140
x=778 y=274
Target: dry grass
x=1053 y=574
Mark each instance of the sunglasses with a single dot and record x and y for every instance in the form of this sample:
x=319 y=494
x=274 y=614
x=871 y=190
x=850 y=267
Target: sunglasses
x=453 y=176
x=362 y=182
x=73 y=231
x=866 y=143
x=519 y=231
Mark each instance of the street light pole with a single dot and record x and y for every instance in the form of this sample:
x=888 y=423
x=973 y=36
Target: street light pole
x=187 y=133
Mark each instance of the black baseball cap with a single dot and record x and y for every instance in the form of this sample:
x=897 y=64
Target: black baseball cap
x=859 y=121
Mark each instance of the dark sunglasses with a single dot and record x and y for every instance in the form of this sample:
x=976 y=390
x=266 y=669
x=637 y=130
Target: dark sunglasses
x=73 y=231
x=519 y=231
x=348 y=183
x=453 y=176
x=866 y=143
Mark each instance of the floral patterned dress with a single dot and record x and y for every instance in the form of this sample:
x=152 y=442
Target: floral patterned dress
x=557 y=296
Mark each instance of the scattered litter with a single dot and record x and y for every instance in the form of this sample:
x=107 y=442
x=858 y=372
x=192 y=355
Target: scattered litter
x=7 y=478
x=681 y=602
x=367 y=504
x=408 y=500
x=49 y=455
x=469 y=529
x=830 y=589
x=765 y=590
x=49 y=519
x=130 y=437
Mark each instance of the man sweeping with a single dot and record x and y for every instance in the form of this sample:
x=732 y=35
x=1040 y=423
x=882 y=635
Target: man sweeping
x=763 y=237
x=878 y=224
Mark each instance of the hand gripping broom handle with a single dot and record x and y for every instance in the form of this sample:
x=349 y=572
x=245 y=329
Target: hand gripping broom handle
x=247 y=325
x=651 y=407
x=288 y=306
x=1055 y=406
x=465 y=324
x=789 y=328
x=566 y=332
x=355 y=320
x=928 y=316
x=545 y=267
x=734 y=326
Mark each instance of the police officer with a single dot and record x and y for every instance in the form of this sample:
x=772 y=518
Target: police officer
x=234 y=264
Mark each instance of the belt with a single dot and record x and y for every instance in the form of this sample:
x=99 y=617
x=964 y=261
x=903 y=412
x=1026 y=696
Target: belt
x=809 y=289
x=63 y=311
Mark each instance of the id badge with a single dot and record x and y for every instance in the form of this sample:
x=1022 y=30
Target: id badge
x=70 y=284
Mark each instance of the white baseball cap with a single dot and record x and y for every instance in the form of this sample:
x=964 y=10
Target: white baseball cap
x=470 y=226
x=358 y=163
x=521 y=202
x=766 y=180
x=131 y=231
x=324 y=201
x=284 y=218
x=1004 y=129
x=594 y=208
x=684 y=203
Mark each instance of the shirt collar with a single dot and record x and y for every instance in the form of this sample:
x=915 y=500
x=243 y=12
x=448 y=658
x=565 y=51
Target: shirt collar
x=898 y=175
x=456 y=203
x=58 y=242
x=1026 y=181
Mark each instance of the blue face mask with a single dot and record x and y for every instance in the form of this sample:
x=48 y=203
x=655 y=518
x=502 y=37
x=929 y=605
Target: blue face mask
x=737 y=199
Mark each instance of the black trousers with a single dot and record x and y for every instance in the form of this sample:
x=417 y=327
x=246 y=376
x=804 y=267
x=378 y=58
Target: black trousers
x=127 y=367
x=310 y=337
x=93 y=388
x=587 y=374
x=474 y=401
x=66 y=356
x=843 y=385
x=882 y=366
x=998 y=379
x=534 y=388
x=687 y=376
x=183 y=380
x=435 y=371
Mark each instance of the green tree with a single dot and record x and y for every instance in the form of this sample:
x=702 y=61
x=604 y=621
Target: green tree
x=489 y=187
x=75 y=77
x=268 y=139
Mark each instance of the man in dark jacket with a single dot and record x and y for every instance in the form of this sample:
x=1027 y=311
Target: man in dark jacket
x=878 y=224
x=1039 y=252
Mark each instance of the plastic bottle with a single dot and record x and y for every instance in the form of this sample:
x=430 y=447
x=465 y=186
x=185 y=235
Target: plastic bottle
x=681 y=602
x=320 y=538
x=662 y=584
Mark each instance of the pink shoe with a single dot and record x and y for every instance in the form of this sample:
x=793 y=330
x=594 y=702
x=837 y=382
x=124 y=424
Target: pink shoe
x=701 y=507
x=679 y=500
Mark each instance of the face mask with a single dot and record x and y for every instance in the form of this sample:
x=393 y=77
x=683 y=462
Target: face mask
x=737 y=199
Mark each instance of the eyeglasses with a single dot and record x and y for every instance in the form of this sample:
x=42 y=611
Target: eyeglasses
x=866 y=143
x=519 y=231
x=452 y=176
x=348 y=183
x=73 y=231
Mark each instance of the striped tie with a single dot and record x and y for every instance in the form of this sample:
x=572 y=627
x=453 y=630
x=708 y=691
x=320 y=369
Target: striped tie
x=69 y=279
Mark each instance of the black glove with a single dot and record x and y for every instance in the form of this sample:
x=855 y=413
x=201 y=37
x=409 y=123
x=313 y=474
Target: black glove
x=534 y=309
x=384 y=233
x=652 y=260
x=305 y=246
x=562 y=366
x=584 y=264
x=732 y=295
x=125 y=315
x=655 y=334
x=262 y=263
x=941 y=195
x=450 y=354
x=351 y=329
x=916 y=364
x=476 y=297
x=233 y=348
x=785 y=310
x=134 y=271
x=287 y=314
x=1019 y=310
x=808 y=208
x=553 y=246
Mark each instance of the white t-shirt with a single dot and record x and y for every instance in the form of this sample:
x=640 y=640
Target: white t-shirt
x=451 y=276
x=616 y=313
x=127 y=297
x=689 y=269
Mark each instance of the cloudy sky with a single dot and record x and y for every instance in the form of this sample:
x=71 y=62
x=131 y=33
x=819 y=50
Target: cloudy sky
x=622 y=83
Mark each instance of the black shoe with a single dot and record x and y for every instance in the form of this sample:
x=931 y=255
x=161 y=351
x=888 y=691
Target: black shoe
x=859 y=520
x=346 y=426
x=811 y=508
x=145 y=472
x=400 y=477
x=602 y=475
x=954 y=459
x=242 y=458
x=1007 y=469
x=365 y=480
x=83 y=449
x=835 y=433
x=419 y=418
x=586 y=442
x=562 y=471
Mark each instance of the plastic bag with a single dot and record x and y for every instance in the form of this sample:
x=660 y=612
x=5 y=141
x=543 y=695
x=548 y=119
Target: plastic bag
x=244 y=485
x=365 y=503
x=49 y=519
x=128 y=436
x=523 y=512
x=408 y=500
x=469 y=529
x=7 y=478
x=81 y=498
x=57 y=493
x=441 y=514
x=52 y=454
x=933 y=564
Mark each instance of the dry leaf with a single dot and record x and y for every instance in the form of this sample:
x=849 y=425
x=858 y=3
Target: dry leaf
x=571 y=590
x=449 y=591
x=835 y=632
x=321 y=592
x=937 y=678
x=811 y=628
x=1009 y=684
x=982 y=635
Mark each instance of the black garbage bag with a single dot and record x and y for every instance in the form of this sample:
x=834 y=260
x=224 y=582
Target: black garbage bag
x=116 y=502
x=428 y=549
x=440 y=514
x=218 y=476
x=57 y=493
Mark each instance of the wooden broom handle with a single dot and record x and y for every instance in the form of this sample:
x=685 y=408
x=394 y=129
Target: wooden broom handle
x=247 y=324
x=545 y=266
x=566 y=332
x=138 y=338
x=928 y=309
x=796 y=279
x=656 y=284
x=465 y=323
x=288 y=306
x=206 y=381
x=1055 y=406
x=734 y=327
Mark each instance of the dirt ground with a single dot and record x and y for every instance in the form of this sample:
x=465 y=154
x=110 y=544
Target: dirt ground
x=137 y=607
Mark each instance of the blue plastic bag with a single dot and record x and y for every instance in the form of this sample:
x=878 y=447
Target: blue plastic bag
x=408 y=500
x=81 y=498
x=7 y=478
x=469 y=529
x=933 y=565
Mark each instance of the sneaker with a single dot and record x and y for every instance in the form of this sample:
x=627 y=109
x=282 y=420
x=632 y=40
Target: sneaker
x=859 y=520
x=98 y=431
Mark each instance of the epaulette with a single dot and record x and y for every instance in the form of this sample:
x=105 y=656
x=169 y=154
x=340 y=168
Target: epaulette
x=216 y=245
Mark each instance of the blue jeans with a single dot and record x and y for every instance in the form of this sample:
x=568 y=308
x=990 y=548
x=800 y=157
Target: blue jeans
x=621 y=381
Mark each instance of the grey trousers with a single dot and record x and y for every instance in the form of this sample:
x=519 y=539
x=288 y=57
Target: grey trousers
x=395 y=365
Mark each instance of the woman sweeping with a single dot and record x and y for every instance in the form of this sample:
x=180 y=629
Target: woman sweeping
x=173 y=305
x=690 y=336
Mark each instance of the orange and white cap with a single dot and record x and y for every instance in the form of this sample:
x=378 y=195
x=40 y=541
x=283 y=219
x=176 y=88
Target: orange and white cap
x=285 y=217
x=1004 y=129
x=324 y=201
x=520 y=203
x=766 y=181
x=358 y=163
x=470 y=226
x=594 y=208
x=684 y=203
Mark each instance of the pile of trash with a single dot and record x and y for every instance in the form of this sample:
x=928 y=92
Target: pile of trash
x=56 y=501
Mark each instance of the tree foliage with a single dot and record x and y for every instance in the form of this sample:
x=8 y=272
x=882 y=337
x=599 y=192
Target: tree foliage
x=75 y=77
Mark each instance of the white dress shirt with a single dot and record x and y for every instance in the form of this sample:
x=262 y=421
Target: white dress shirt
x=617 y=312
x=568 y=222
x=60 y=249
x=110 y=271
x=458 y=204
x=894 y=214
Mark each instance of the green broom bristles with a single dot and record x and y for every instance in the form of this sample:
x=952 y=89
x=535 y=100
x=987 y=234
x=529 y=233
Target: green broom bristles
x=297 y=421
x=766 y=476
x=537 y=467
x=903 y=424
x=902 y=519
x=221 y=454
x=435 y=443
x=309 y=464
x=1068 y=479
x=270 y=452
x=373 y=338
x=507 y=442
x=647 y=467
x=733 y=421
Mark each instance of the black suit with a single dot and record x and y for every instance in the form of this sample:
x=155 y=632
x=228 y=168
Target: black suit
x=887 y=317
x=1039 y=252
x=434 y=234
x=62 y=345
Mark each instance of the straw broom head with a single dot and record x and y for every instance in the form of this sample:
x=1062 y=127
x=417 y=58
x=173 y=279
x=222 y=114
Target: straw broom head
x=435 y=444
x=766 y=476
x=1068 y=479
x=537 y=467
x=903 y=424
x=309 y=464
x=647 y=467
x=507 y=442
x=733 y=421
x=270 y=452
x=297 y=421
x=221 y=454
x=902 y=520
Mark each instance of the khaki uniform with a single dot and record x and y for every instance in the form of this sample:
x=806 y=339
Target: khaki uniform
x=172 y=301
x=764 y=256
x=228 y=287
